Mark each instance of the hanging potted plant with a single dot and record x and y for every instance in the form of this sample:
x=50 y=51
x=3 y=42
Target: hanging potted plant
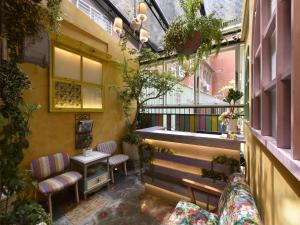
x=193 y=34
x=230 y=118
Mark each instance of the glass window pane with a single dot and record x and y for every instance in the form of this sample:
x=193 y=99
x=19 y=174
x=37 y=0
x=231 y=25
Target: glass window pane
x=91 y=97
x=67 y=95
x=92 y=71
x=273 y=56
x=273 y=6
x=66 y=64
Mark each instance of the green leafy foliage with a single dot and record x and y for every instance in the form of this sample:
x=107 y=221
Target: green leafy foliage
x=29 y=212
x=133 y=94
x=133 y=139
x=184 y=27
x=232 y=162
x=221 y=159
x=214 y=175
x=26 y=18
x=233 y=96
x=147 y=150
x=14 y=129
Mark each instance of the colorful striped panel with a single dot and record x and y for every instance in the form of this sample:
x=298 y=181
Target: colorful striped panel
x=59 y=182
x=197 y=123
x=177 y=122
x=47 y=166
x=192 y=123
x=153 y=119
x=186 y=122
x=169 y=121
x=214 y=123
x=181 y=122
x=160 y=120
x=207 y=123
x=202 y=123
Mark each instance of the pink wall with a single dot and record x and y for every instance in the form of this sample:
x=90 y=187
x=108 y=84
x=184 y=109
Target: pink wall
x=224 y=66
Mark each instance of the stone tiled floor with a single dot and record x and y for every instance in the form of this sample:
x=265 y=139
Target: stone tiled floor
x=124 y=203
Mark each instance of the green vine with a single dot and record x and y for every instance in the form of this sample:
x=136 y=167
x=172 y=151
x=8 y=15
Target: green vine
x=14 y=130
x=185 y=27
x=26 y=18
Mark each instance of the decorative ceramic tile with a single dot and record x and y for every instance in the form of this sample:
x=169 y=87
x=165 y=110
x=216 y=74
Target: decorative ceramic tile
x=67 y=95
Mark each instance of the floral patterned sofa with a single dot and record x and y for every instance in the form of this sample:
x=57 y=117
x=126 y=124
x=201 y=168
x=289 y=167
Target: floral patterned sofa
x=236 y=207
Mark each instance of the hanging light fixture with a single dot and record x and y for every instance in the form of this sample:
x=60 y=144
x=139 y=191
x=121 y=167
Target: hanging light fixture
x=118 y=25
x=144 y=35
x=142 y=12
x=140 y=16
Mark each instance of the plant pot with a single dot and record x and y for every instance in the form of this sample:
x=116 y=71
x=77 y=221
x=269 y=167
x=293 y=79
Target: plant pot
x=191 y=45
x=232 y=126
x=132 y=151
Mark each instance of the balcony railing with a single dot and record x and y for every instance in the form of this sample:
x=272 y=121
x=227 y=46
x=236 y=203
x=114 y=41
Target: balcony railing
x=192 y=118
x=95 y=15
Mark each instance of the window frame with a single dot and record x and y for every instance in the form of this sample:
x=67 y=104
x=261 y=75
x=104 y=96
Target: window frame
x=283 y=21
x=81 y=82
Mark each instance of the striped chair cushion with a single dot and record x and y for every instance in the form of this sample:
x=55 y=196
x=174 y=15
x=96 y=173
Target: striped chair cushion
x=117 y=159
x=107 y=147
x=59 y=182
x=47 y=166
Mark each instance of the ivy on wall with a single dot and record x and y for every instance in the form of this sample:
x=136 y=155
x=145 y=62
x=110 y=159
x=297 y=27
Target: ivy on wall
x=26 y=18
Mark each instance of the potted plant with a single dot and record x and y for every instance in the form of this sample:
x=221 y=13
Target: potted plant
x=139 y=86
x=193 y=33
x=230 y=118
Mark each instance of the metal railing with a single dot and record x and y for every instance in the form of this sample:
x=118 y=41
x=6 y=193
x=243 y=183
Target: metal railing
x=191 y=118
x=101 y=19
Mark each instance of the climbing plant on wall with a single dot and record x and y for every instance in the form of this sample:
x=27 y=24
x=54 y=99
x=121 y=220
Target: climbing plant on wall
x=26 y=18
x=14 y=130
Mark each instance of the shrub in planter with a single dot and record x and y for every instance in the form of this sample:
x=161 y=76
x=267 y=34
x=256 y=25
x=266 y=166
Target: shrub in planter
x=130 y=146
x=230 y=118
x=192 y=33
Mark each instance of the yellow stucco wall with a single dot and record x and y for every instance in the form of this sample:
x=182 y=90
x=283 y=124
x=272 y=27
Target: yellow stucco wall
x=275 y=189
x=54 y=132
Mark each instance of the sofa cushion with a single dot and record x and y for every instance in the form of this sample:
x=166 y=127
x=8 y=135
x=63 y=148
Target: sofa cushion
x=117 y=159
x=240 y=207
x=59 y=182
x=187 y=213
x=233 y=180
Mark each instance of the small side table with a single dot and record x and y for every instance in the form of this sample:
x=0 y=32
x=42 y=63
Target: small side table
x=99 y=178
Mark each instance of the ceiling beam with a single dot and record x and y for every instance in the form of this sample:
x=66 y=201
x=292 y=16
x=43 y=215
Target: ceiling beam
x=159 y=15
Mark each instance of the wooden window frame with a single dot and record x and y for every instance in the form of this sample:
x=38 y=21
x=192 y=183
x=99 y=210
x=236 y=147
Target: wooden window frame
x=284 y=22
x=80 y=82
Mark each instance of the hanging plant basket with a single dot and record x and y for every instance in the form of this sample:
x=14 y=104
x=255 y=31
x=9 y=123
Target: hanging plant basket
x=191 y=45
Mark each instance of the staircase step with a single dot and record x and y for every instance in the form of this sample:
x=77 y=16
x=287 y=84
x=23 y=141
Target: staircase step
x=174 y=184
x=191 y=173
x=178 y=166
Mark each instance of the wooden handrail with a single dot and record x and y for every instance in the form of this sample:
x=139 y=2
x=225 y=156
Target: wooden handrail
x=202 y=187
x=192 y=185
